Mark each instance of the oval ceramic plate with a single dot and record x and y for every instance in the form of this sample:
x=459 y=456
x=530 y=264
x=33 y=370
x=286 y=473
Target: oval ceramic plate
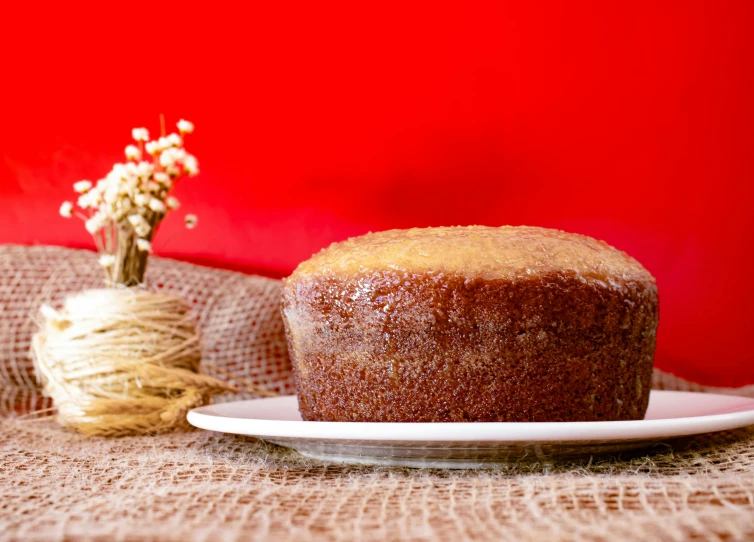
x=473 y=445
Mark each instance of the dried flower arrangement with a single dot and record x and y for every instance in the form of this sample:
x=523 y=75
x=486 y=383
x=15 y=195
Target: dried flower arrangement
x=123 y=210
x=125 y=360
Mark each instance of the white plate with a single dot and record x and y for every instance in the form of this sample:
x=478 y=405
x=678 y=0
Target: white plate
x=473 y=445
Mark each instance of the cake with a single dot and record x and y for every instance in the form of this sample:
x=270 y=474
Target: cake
x=471 y=324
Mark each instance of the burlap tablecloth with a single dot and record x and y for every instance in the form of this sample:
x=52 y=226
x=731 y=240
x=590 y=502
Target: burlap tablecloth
x=56 y=485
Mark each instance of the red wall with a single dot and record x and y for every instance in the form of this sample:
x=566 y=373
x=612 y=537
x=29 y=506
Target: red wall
x=629 y=121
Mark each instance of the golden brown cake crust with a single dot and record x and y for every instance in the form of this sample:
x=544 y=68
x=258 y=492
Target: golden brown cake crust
x=380 y=344
x=476 y=251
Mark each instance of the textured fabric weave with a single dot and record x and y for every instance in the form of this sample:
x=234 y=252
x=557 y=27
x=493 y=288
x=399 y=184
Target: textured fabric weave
x=57 y=485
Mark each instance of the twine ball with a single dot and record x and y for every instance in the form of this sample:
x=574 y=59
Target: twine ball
x=122 y=361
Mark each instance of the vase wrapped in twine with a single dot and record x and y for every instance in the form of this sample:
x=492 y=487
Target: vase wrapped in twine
x=122 y=361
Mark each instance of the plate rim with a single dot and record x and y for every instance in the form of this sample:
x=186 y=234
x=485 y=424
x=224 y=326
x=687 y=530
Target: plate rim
x=509 y=432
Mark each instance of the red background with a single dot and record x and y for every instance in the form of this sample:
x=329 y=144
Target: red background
x=628 y=121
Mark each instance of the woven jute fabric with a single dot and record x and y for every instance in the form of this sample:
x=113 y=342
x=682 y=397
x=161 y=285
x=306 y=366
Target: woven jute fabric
x=59 y=485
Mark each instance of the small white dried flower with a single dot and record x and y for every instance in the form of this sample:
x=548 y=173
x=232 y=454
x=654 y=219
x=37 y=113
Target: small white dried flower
x=94 y=224
x=140 y=199
x=82 y=186
x=153 y=147
x=140 y=134
x=191 y=221
x=164 y=179
x=174 y=140
x=112 y=191
x=144 y=170
x=191 y=165
x=153 y=187
x=129 y=186
x=119 y=171
x=144 y=245
x=121 y=209
x=66 y=210
x=90 y=200
x=185 y=127
x=172 y=155
x=172 y=202
x=161 y=177
x=133 y=152
x=157 y=206
x=107 y=260
x=173 y=170
x=84 y=201
x=141 y=226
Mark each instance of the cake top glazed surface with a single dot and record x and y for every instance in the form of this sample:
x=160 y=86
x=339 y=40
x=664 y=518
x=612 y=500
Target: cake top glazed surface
x=508 y=252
